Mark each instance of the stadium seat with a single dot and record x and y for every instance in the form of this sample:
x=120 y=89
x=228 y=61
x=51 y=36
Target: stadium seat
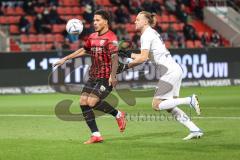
x=14 y=11
x=40 y=47
x=190 y=44
x=133 y=18
x=69 y=10
x=49 y=38
x=58 y=38
x=103 y=2
x=69 y=2
x=198 y=44
x=173 y=19
x=3 y=20
x=164 y=18
x=32 y=29
x=56 y=28
x=13 y=19
x=39 y=9
x=30 y=19
x=24 y=38
x=33 y=38
x=61 y=10
x=74 y=46
x=14 y=29
x=41 y=38
x=164 y=26
x=77 y=10
x=176 y=27
x=130 y=27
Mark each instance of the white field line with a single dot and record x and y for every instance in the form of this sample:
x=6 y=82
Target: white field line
x=132 y=116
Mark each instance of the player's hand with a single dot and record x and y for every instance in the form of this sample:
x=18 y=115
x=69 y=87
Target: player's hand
x=122 y=67
x=60 y=62
x=112 y=81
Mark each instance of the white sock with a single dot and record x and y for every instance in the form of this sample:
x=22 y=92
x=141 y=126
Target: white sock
x=118 y=114
x=171 y=103
x=184 y=119
x=97 y=134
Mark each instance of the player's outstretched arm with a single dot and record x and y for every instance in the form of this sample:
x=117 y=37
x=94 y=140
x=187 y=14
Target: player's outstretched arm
x=77 y=53
x=139 y=58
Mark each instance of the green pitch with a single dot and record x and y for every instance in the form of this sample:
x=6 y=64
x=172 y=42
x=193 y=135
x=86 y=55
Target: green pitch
x=29 y=130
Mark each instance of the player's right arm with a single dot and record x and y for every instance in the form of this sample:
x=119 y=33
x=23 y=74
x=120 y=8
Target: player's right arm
x=77 y=53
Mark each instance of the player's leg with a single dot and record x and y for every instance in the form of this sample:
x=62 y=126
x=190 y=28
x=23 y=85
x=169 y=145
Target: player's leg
x=96 y=100
x=167 y=86
x=181 y=116
x=88 y=113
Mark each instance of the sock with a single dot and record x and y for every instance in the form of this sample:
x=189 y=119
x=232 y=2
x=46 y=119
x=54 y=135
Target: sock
x=106 y=108
x=181 y=117
x=171 y=103
x=97 y=134
x=89 y=118
x=118 y=114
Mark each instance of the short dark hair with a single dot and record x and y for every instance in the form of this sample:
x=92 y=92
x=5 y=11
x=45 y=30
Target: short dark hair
x=105 y=15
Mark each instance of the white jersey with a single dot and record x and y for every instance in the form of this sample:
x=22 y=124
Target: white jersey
x=159 y=54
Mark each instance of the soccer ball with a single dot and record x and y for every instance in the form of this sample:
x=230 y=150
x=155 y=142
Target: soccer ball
x=74 y=26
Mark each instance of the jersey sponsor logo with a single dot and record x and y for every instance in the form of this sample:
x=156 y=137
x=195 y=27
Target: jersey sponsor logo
x=102 y=42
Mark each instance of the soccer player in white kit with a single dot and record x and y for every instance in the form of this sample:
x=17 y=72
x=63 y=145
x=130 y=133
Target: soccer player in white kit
x=167 y=92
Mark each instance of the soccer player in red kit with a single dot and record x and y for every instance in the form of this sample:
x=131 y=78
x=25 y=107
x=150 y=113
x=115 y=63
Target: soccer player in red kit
x=103 y=49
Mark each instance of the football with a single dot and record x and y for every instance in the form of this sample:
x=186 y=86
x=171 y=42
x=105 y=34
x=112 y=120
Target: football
x=74 y=26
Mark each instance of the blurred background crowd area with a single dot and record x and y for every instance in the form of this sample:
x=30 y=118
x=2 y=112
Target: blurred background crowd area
x=39 y=25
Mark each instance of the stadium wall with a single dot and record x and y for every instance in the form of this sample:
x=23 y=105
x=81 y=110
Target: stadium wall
x=33 y=72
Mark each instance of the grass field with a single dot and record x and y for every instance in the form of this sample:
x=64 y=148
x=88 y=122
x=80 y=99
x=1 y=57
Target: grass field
x=30 y=130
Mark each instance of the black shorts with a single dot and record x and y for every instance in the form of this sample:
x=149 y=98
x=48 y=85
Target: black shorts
x=99 y=87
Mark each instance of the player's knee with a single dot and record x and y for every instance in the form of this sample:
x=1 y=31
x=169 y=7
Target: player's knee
x=83 y=100
x=91 y=102
x=155 y=105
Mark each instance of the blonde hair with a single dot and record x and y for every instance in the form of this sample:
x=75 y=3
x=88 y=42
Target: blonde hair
x=150 y=17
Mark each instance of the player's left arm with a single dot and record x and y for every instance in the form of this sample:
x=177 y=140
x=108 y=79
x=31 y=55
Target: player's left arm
x=113 y=48
x=113 y=79
x=139 y=58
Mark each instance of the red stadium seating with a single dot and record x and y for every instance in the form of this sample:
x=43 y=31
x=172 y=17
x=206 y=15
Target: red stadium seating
x=41 y=38
x=61 y=10
x=77 y=10
x=173 y=19
x=39 y=9
x=57 y=28
x=40 y=47
x=103 y=2
x=13 y=19
x=14 y=29
x=50 y=38
x=69 y=2
x=164 y=18
x=14 y=11
x=74 y=46
x=130 y=27
x=164 y=26
x=190 y=44
x=69 y=9
x=198 y=44
x=58 y=38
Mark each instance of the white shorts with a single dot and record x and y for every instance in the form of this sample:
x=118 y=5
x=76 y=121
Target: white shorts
x=169 y=84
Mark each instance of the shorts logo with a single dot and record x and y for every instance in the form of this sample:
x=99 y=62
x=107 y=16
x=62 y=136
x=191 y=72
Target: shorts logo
x=102 y=88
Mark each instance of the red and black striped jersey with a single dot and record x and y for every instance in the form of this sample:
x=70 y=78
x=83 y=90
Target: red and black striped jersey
x=100 y=48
